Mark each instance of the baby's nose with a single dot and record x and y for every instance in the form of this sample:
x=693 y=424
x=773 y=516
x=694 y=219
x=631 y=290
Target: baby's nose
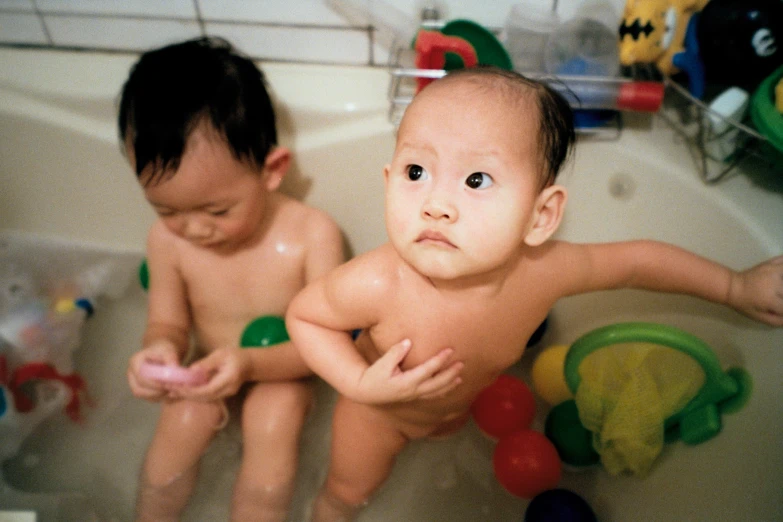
x=439 y=208
x=196 y=229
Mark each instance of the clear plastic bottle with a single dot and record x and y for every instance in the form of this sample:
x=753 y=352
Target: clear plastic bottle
x=587 y=44
x=526 y=33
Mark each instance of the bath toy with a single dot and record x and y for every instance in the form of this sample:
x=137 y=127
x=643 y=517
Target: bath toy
x=38 y=372
x=559 y=505
x=548 y=377
x=779 y=95
x=505 y=406
x=573 y=441
x=144 y=275
x=767 y=119
x=264 y=331
x=15 y=426
x=740 y=41
x=657 y=32
x=432 y=48
x=42 y=330
x=171 y=374
x=638 y=385
x=489 y=50
x=722 y=392
x=526 y=463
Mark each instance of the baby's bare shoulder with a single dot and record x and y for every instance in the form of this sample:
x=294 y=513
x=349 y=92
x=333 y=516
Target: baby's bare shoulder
x=375 y=272
x=312 y=222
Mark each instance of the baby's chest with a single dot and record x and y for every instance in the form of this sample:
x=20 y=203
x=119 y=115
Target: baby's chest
x=494 y=334
x=244 y=286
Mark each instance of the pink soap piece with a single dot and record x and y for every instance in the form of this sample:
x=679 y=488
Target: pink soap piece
x=171 y=374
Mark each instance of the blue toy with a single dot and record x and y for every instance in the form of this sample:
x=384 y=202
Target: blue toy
x=559 y=505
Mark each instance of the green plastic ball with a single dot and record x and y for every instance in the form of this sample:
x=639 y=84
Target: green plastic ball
x=573 y=441
x=264 y=331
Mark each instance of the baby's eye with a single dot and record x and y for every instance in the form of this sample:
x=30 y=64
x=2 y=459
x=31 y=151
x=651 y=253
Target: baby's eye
x=479 y=180
x=417 y=173
x=221 y=212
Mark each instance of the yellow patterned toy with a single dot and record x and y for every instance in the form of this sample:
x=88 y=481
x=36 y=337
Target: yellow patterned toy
x=653 y=31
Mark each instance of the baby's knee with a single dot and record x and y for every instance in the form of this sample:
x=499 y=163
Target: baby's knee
x=262 y=499
x=346 y=494
x=162 y=497
x=276 y=407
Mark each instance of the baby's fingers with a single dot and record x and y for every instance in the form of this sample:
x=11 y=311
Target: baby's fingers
x=430 y=367
x=442 y=382
x=390 y=361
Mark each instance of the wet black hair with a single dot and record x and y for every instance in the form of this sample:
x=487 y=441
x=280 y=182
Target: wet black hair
x=557 y=135
x=171 y=90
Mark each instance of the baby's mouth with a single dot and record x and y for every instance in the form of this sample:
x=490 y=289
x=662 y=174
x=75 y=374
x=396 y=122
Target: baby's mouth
x=434 y=238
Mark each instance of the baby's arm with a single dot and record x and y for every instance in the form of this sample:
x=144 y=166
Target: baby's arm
x=651 y=265
x=351 y=297
x=166 y=337
x=758 y=292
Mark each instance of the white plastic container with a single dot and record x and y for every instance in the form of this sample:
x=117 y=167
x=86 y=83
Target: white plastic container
x=526 y=33
x=722 y=135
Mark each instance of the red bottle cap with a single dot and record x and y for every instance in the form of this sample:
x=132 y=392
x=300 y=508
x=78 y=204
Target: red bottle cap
x=640 y=96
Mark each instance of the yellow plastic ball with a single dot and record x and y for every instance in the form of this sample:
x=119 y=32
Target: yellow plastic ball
x=64 y=306
x=547 y=374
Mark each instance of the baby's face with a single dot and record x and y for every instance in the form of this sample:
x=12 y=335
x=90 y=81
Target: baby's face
x=213 y=200
x=463 y=183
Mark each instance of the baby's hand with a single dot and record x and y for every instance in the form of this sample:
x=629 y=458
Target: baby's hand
x=385 y=382
x=227 y=368
x=160 y=352
x=758 y=292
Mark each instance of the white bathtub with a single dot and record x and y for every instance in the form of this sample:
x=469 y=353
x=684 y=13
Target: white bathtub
x=62 y=175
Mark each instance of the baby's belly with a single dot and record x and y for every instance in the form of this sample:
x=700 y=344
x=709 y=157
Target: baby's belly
x=482 y=365
x=430 y=417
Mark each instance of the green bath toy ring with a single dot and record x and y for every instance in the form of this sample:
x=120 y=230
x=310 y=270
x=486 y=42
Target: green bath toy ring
x=700 y=419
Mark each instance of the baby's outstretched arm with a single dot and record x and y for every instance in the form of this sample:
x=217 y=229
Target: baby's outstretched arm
x=758 y=292
x=652 y=265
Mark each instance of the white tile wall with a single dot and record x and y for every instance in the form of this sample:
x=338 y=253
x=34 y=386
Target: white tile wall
x=17 y=4
x=133 y=34
x=156 y=8
x=273 y=30
x=296 y=12
x=22 y=28
x=294 y=43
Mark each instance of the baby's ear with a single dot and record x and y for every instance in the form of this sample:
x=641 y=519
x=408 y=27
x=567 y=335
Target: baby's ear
x=275 y=167
x=547 y=214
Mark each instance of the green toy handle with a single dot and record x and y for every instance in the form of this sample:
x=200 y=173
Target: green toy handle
x=640 y=333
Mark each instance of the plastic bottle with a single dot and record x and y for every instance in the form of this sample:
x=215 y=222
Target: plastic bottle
x=586 y=44
x=526 y=33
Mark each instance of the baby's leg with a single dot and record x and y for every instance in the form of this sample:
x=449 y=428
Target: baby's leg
x=184 y=431
x=273 y=415
x=363 y=452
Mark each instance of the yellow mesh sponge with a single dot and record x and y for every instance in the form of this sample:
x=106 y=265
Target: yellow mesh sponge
x=626 y=393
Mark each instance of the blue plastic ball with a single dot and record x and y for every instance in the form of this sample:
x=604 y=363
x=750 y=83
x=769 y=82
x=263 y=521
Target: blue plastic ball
x=559 y=505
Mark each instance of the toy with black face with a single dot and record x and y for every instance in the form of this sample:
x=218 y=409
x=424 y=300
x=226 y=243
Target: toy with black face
x=741 y=41
x=653 y=31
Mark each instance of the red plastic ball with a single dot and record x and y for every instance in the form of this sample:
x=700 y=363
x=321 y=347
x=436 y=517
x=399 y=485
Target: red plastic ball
x=526 y=463
x=503 y=407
